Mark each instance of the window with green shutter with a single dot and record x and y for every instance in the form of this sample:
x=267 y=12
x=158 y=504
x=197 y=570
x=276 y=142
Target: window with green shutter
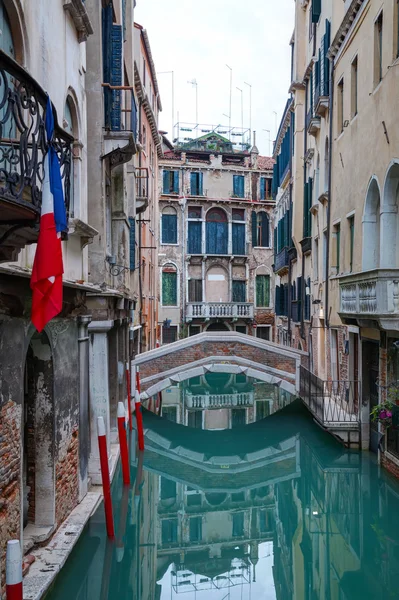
x=169 y=286
x=196 y=184
x=132 y=243
x=238 y=186
x=263 y=291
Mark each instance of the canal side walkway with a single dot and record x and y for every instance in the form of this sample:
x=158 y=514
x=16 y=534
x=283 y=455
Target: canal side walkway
x=49 y=559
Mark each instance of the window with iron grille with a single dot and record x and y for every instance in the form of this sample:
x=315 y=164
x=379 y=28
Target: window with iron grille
x=169 y=334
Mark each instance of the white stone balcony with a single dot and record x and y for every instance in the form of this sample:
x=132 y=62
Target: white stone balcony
x=219 y=310
x=209 y=401
x=371 y=295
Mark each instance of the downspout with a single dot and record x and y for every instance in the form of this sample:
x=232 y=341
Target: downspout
x=84 y=417
x=305 y=149
x=140 y=255
x=289 y=257
x=326 y=316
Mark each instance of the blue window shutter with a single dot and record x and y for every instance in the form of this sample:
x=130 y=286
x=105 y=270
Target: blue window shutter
x=193 y=184
x=194 y=241
x=263 y=188
x=116 y=77
x=175 y=182
x=166 y=187
x=132 y=244
x=134 y=117
x=216 y=238
x=316 y=10
x=124 y=19
x=107 y=58
x=200 y=184
x=238 y=231
x=169 y=229
x=265 y=230
x=235 y=185
x=254 y=229
x=275 y=242
x=241 y=186
x=238 y=291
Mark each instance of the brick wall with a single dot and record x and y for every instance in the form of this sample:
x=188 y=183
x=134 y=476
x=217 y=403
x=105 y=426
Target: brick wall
x=66 y=480
x=202 y=350
x=10 y=500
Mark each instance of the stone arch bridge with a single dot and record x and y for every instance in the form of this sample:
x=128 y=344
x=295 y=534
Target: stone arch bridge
x=223 y=352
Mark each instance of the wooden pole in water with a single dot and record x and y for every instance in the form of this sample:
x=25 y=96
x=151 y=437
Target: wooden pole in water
x=123 y=443
x=102 y=446
x=129 y=397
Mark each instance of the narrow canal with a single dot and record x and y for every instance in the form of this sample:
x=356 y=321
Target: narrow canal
x=249 y=499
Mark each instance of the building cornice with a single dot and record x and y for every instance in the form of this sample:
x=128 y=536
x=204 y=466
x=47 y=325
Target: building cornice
x=345 y=26
x=283 y=127
x=144 y=100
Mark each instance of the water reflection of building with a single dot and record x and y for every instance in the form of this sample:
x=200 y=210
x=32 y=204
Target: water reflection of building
x=222 y=401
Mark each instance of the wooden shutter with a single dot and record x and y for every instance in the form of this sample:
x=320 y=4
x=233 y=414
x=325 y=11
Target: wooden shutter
x=254 y=229
x=200 y=184
x=265 y=230
x=326 y=45
x=195 y=290
x=107 y=16
x=132 y=243
x=216 y=238
x=169 y=229
x=166 y=179
x=169 y=288
x=263 y=188
x=277 y=301
x=175 y=182
x=305 y=202
x=194 y=241
x=262 y=290
x=193 y=184
x=241 y=186
x=239 y=292
x=116 y=77
x=238 y=231
x=235 y=185
x=316 y=10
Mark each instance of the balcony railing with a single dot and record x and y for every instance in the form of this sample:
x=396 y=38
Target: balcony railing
x=23 y=146
x=281 y=260
x=331 y=402
x=372 y=294
x=219 y=310
x=141 y=189
x=208 y=401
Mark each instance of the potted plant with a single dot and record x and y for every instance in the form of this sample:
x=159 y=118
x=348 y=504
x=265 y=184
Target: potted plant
x=383 y=413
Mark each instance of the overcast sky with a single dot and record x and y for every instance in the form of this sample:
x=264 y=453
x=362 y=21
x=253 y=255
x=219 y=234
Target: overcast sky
x=197 y=39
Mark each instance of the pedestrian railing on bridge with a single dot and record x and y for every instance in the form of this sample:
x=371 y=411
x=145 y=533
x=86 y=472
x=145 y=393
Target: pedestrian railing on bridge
x=331 y=402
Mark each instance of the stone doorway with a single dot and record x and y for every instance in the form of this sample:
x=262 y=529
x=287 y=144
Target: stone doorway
x=38 y=476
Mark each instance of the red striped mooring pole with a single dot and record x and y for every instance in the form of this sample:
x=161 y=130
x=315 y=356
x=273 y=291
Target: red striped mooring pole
x=14 y=571
x=102 y=446
x=123 y=443
x=129 y=397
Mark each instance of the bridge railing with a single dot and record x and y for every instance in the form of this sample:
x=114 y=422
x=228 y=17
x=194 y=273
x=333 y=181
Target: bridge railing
x=331 y=402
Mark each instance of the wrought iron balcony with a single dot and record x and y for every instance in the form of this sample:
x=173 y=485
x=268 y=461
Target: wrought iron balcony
x=281 y=261
x=312 y=122
x=23 y=146
x=209 y=401
x=219 y=310
x=371 y=295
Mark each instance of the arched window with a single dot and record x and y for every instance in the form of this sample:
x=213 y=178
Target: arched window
x=6 y=38
x=217 y=234
x=371 y=228
x=389 y=240
x=169 y=285
x=169 y=226
x=260 y=230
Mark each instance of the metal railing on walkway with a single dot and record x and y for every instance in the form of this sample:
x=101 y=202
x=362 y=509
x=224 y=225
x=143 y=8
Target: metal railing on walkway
x=331 y=402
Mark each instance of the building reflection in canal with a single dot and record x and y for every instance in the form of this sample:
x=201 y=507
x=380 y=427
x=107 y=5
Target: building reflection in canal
x=295 y=517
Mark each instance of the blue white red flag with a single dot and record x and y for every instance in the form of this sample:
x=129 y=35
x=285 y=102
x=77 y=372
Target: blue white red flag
x=46 y=280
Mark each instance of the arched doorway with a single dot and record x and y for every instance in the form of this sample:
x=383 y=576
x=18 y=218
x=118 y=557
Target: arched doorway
x=38 y=476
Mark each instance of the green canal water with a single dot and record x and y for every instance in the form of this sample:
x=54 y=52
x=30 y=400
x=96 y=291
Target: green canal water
x=249 y=499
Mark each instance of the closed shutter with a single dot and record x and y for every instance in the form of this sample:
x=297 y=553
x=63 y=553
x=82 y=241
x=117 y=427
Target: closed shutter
x=239 y=291
x=175 y=182
x=327 y=37
x=116 y=77
x=241 y=187
x=169 y=229
x=262 y=290
x=322 y=66
x=305 y=202
x=235 y=185
x=254 y=229
x=132 y=243
x=238 y=186
x=316 y=10
x=265 y=230
x=275 y=241
x=200 y=184
x=166 y=180
x=216 y=238
x=277 y=301
x=194 y=241
x=107 y=16
x=124 y=19
x=238 y=231
x=169 y=289
x=193 y=184
x=133 y=122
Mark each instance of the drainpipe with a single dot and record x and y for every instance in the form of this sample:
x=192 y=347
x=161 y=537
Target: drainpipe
x=84 y=438
x=326 y=316
x=305 y=149
x=183 y=294
x=140 y=255
x=289 y=258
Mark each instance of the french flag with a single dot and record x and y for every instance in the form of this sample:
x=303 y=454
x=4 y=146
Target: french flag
x=46 y=280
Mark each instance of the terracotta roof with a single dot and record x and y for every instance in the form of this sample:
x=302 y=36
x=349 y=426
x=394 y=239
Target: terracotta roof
x=265 y=163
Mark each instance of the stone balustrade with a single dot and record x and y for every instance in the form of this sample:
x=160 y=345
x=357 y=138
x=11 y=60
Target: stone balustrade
x=209 y=401
x=219 y=310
